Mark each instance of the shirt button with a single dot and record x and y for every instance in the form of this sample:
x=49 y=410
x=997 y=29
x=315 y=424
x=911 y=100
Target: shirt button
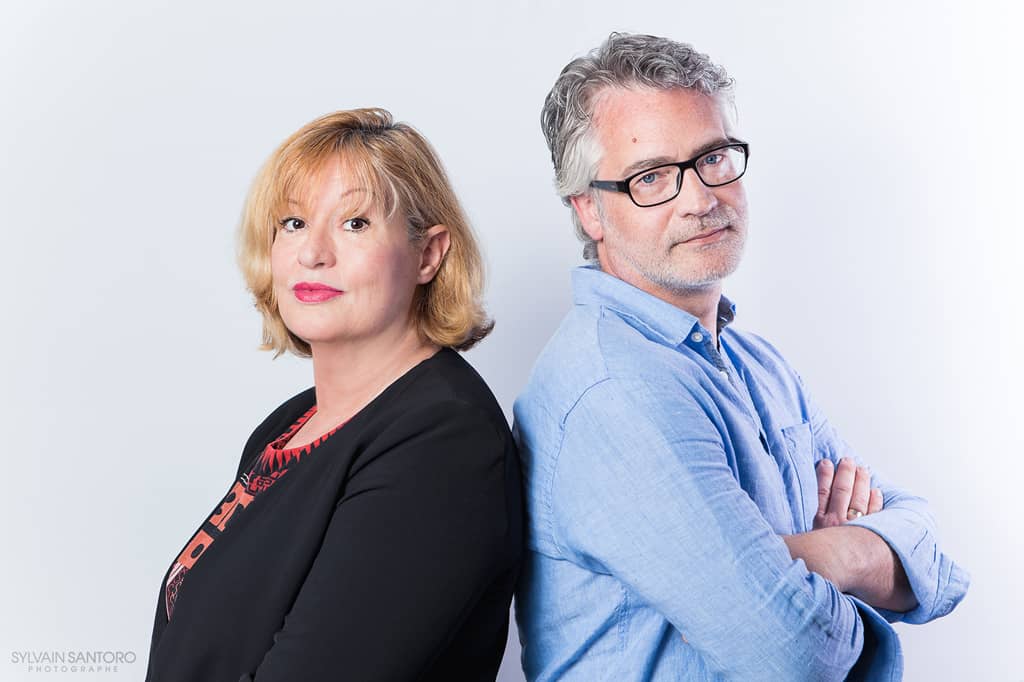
x=724 y=373
x=697 y=337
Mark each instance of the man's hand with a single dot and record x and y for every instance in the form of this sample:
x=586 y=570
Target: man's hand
x=844 y=494
x=854 y=559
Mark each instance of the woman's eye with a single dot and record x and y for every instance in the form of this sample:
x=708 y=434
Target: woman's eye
x=356 y=224
x=292 y=224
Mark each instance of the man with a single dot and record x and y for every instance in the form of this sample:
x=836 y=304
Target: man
x=693 y=515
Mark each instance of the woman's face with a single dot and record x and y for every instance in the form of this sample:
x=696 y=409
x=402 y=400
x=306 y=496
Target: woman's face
x=342 y=277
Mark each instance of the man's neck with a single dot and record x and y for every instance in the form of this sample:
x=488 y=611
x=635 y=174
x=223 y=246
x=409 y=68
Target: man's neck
x=701 y=302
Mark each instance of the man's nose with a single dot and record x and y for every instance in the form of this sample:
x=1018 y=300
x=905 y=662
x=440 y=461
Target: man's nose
x=695 y=198
x=317 y=249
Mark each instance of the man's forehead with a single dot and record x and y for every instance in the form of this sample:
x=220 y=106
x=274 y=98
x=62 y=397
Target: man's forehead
x=633 y=123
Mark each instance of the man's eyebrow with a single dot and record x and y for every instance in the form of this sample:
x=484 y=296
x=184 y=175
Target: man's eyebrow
x=646 y=163
x=720 y=142
x=653 y=161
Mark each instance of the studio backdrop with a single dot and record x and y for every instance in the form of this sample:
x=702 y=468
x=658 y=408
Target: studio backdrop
x=883 y=259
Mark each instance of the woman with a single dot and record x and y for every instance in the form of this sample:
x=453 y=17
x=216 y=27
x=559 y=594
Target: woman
x=374 y=529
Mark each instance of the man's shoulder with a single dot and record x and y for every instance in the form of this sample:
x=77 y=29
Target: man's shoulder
x=759 y=355
x=752 y=343
x=601 y=346
x=597 y=345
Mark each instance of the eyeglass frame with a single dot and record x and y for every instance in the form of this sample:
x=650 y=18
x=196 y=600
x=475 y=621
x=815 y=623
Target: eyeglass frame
x=623 y=185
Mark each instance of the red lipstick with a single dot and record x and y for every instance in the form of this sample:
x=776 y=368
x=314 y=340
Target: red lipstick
x=315 y=292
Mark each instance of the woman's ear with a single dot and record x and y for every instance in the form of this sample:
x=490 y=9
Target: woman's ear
x=434 y=245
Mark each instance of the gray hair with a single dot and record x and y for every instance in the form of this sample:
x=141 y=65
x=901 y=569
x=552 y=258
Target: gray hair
x=623 y=60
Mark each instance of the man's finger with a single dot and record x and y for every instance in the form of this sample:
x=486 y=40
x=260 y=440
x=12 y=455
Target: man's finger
x=875 y=503
x=842 y=488
x=824 y=471
x=861 y=493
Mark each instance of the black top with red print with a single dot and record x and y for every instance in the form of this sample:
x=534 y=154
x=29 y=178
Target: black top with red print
x=388 y=552
x=272 y=464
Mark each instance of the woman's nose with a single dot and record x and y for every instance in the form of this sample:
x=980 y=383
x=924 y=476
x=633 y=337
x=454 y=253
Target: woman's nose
x=317 y=249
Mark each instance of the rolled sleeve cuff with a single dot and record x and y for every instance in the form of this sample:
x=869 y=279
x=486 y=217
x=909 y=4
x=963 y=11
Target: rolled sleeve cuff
x=937 y=582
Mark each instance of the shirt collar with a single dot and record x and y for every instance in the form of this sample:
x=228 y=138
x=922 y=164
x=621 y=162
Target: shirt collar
x=591 y=285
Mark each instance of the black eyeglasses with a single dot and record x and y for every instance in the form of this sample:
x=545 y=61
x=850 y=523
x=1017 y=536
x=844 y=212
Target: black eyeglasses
x=661 y=184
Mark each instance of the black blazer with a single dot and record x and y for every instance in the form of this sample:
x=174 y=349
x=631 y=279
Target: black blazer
x=390 y=552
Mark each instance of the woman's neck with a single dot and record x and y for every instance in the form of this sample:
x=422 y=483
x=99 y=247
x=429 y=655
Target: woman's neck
x=348 y=377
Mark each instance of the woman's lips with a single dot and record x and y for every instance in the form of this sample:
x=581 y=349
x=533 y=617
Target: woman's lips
x=312 y=292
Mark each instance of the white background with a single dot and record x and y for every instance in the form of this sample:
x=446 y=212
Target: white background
x=883 y=260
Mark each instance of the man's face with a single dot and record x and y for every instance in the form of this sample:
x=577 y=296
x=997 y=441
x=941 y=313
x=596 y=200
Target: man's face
x=688 y=243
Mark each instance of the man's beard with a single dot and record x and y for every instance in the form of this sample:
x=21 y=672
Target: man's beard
x=718 y=262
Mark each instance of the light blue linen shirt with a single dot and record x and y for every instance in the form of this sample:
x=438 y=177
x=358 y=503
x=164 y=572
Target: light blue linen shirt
x=660 y=474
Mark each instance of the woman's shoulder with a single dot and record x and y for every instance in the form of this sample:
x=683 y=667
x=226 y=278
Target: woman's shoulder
x=445 y=382
x=444 y=388
x=450 y=377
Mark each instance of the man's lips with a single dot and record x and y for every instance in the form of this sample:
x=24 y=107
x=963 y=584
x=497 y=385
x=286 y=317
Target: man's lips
x=707 y=237
x=315 y=292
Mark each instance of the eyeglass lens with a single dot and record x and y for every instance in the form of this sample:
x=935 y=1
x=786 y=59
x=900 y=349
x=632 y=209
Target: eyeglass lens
x=660 y=184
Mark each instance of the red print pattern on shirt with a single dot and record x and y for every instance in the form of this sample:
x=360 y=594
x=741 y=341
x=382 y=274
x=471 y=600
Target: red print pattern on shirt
x=273 y=463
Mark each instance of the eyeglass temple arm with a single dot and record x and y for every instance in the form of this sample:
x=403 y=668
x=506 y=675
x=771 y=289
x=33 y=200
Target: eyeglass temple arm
x=613 y=185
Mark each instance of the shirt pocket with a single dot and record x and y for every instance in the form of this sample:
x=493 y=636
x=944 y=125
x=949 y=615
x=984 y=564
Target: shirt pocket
x=800 y=477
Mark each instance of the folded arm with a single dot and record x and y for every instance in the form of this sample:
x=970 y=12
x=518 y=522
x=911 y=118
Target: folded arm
x=906 y=526
x=855 y=560
x=646 y=494
x=858 y=562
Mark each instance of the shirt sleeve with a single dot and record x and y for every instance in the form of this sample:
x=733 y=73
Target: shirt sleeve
x=643 y=490
x=907 y=525
x=418 y=535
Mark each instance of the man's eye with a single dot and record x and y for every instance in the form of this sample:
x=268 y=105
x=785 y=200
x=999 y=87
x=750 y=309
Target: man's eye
x=712 y=159
x=292 y=224
x=356 y=224
x=656 y=177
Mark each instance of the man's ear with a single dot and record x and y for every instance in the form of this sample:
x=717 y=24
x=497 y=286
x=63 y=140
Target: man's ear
x=434 y=244
x=586 y=209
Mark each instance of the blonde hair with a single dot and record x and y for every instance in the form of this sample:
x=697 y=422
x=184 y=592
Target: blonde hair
x=402 y=172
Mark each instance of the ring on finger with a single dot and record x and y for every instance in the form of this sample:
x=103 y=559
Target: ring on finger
x=853 y=514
